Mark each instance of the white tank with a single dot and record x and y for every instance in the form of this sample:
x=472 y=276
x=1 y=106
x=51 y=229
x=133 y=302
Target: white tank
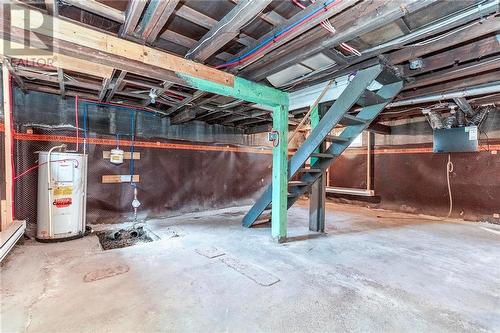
x=62 y=198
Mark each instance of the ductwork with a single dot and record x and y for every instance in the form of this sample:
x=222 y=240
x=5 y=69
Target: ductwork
x=491 y=89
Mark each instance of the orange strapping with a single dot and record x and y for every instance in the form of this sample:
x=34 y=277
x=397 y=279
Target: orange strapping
x=144 y=144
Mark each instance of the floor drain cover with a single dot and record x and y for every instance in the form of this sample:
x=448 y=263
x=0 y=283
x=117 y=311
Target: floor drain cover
x=117 y=238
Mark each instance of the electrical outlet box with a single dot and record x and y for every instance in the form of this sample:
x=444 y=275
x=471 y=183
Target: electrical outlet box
x=460 y=139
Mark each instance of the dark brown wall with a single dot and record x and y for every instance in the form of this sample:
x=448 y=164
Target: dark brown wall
x=416 y=182
x=172 y=181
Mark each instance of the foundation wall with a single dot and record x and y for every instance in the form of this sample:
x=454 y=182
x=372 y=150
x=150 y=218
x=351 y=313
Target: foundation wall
x=408 y=177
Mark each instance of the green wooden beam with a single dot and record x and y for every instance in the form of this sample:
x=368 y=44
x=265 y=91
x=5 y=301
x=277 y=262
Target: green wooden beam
x=257 y=93
x=280 y=174
x=242 y=89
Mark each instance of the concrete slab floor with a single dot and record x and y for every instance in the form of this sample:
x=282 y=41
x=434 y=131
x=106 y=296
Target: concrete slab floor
x=366 y=274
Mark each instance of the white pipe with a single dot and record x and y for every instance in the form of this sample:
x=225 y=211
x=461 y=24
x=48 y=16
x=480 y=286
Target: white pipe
x=481 y=9
x=50 y=184
x=495 y=88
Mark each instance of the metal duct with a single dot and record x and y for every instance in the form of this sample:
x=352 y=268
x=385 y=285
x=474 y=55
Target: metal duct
x=436 y=120
x=460 y=115
x=495 y=88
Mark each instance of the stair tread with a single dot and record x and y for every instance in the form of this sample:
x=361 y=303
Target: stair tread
x=312 y=170
x=297 y=183
x=335 y=138
x=370 y=98
x=322 y=155
x=387 y=76
x=348 y=120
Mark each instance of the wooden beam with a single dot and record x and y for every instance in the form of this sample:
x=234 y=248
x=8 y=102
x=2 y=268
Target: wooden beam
x=406 y=52
x=116 y=84
x=51 y=6
x=187 y=42
x=206 y=22
x=335 y=56
x=482 y=48
x=451 y=85
x=458 y=36
x=272 y=18
x=378 y=14
x=105 y=86
x=54 y=79
x=132 y=16
x=183 y=116
x=79 y=41
x=323 y=14
x=115 y=49
x=156 y=15
x=56 y=91
x=60 y=78
x=58 y=60
x=98 y=8
x=197 y=94
x=379 y=128
x=8 y=147
x=403 y=26
x=455 y=72
x=115 y=179
x=7 y=63
x=226 y=29
x=259 y=129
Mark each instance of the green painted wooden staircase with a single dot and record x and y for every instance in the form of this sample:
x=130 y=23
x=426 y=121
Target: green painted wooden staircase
x=371 y=103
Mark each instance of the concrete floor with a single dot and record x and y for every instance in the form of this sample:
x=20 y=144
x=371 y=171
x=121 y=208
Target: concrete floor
x=365 y=274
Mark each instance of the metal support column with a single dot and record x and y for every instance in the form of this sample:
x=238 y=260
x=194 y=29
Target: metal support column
x=280 y=174
x=318 y=194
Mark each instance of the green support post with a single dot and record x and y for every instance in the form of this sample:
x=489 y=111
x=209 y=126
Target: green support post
x=314 y=122
x=256 y=93
x=317 y=198
x=280 y=174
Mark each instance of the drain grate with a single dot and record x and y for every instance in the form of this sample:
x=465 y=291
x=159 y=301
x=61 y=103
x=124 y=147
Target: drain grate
x=118 y=238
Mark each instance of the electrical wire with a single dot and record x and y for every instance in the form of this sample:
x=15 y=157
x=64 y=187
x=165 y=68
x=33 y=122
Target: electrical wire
x=133 y=117
x=259 y=48
x=449 y=170
x=36 y=166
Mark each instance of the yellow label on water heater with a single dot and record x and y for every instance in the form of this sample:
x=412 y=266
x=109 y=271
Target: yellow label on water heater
x=63 y=191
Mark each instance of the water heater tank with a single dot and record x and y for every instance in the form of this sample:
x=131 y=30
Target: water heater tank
x=62 y=197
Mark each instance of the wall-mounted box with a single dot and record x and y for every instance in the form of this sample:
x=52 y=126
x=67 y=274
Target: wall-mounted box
x=452 y=140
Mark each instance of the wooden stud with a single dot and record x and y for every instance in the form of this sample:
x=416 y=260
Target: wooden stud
x=114 y=47
x=324 y=14
x=104 y=89
x=51 y=6
x=99 y=8
x=126 y=155
x=116 y=179
x=14 y=74
x=132 y=16
x=8 y=145
x=60 y=77
x=280 y=175
x=116 y=85
x=226 y=29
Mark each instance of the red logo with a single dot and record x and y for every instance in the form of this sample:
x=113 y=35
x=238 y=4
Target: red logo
x=62 y=203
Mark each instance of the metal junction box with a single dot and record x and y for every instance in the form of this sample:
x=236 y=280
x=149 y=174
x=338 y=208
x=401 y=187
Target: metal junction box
x=460 y=139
